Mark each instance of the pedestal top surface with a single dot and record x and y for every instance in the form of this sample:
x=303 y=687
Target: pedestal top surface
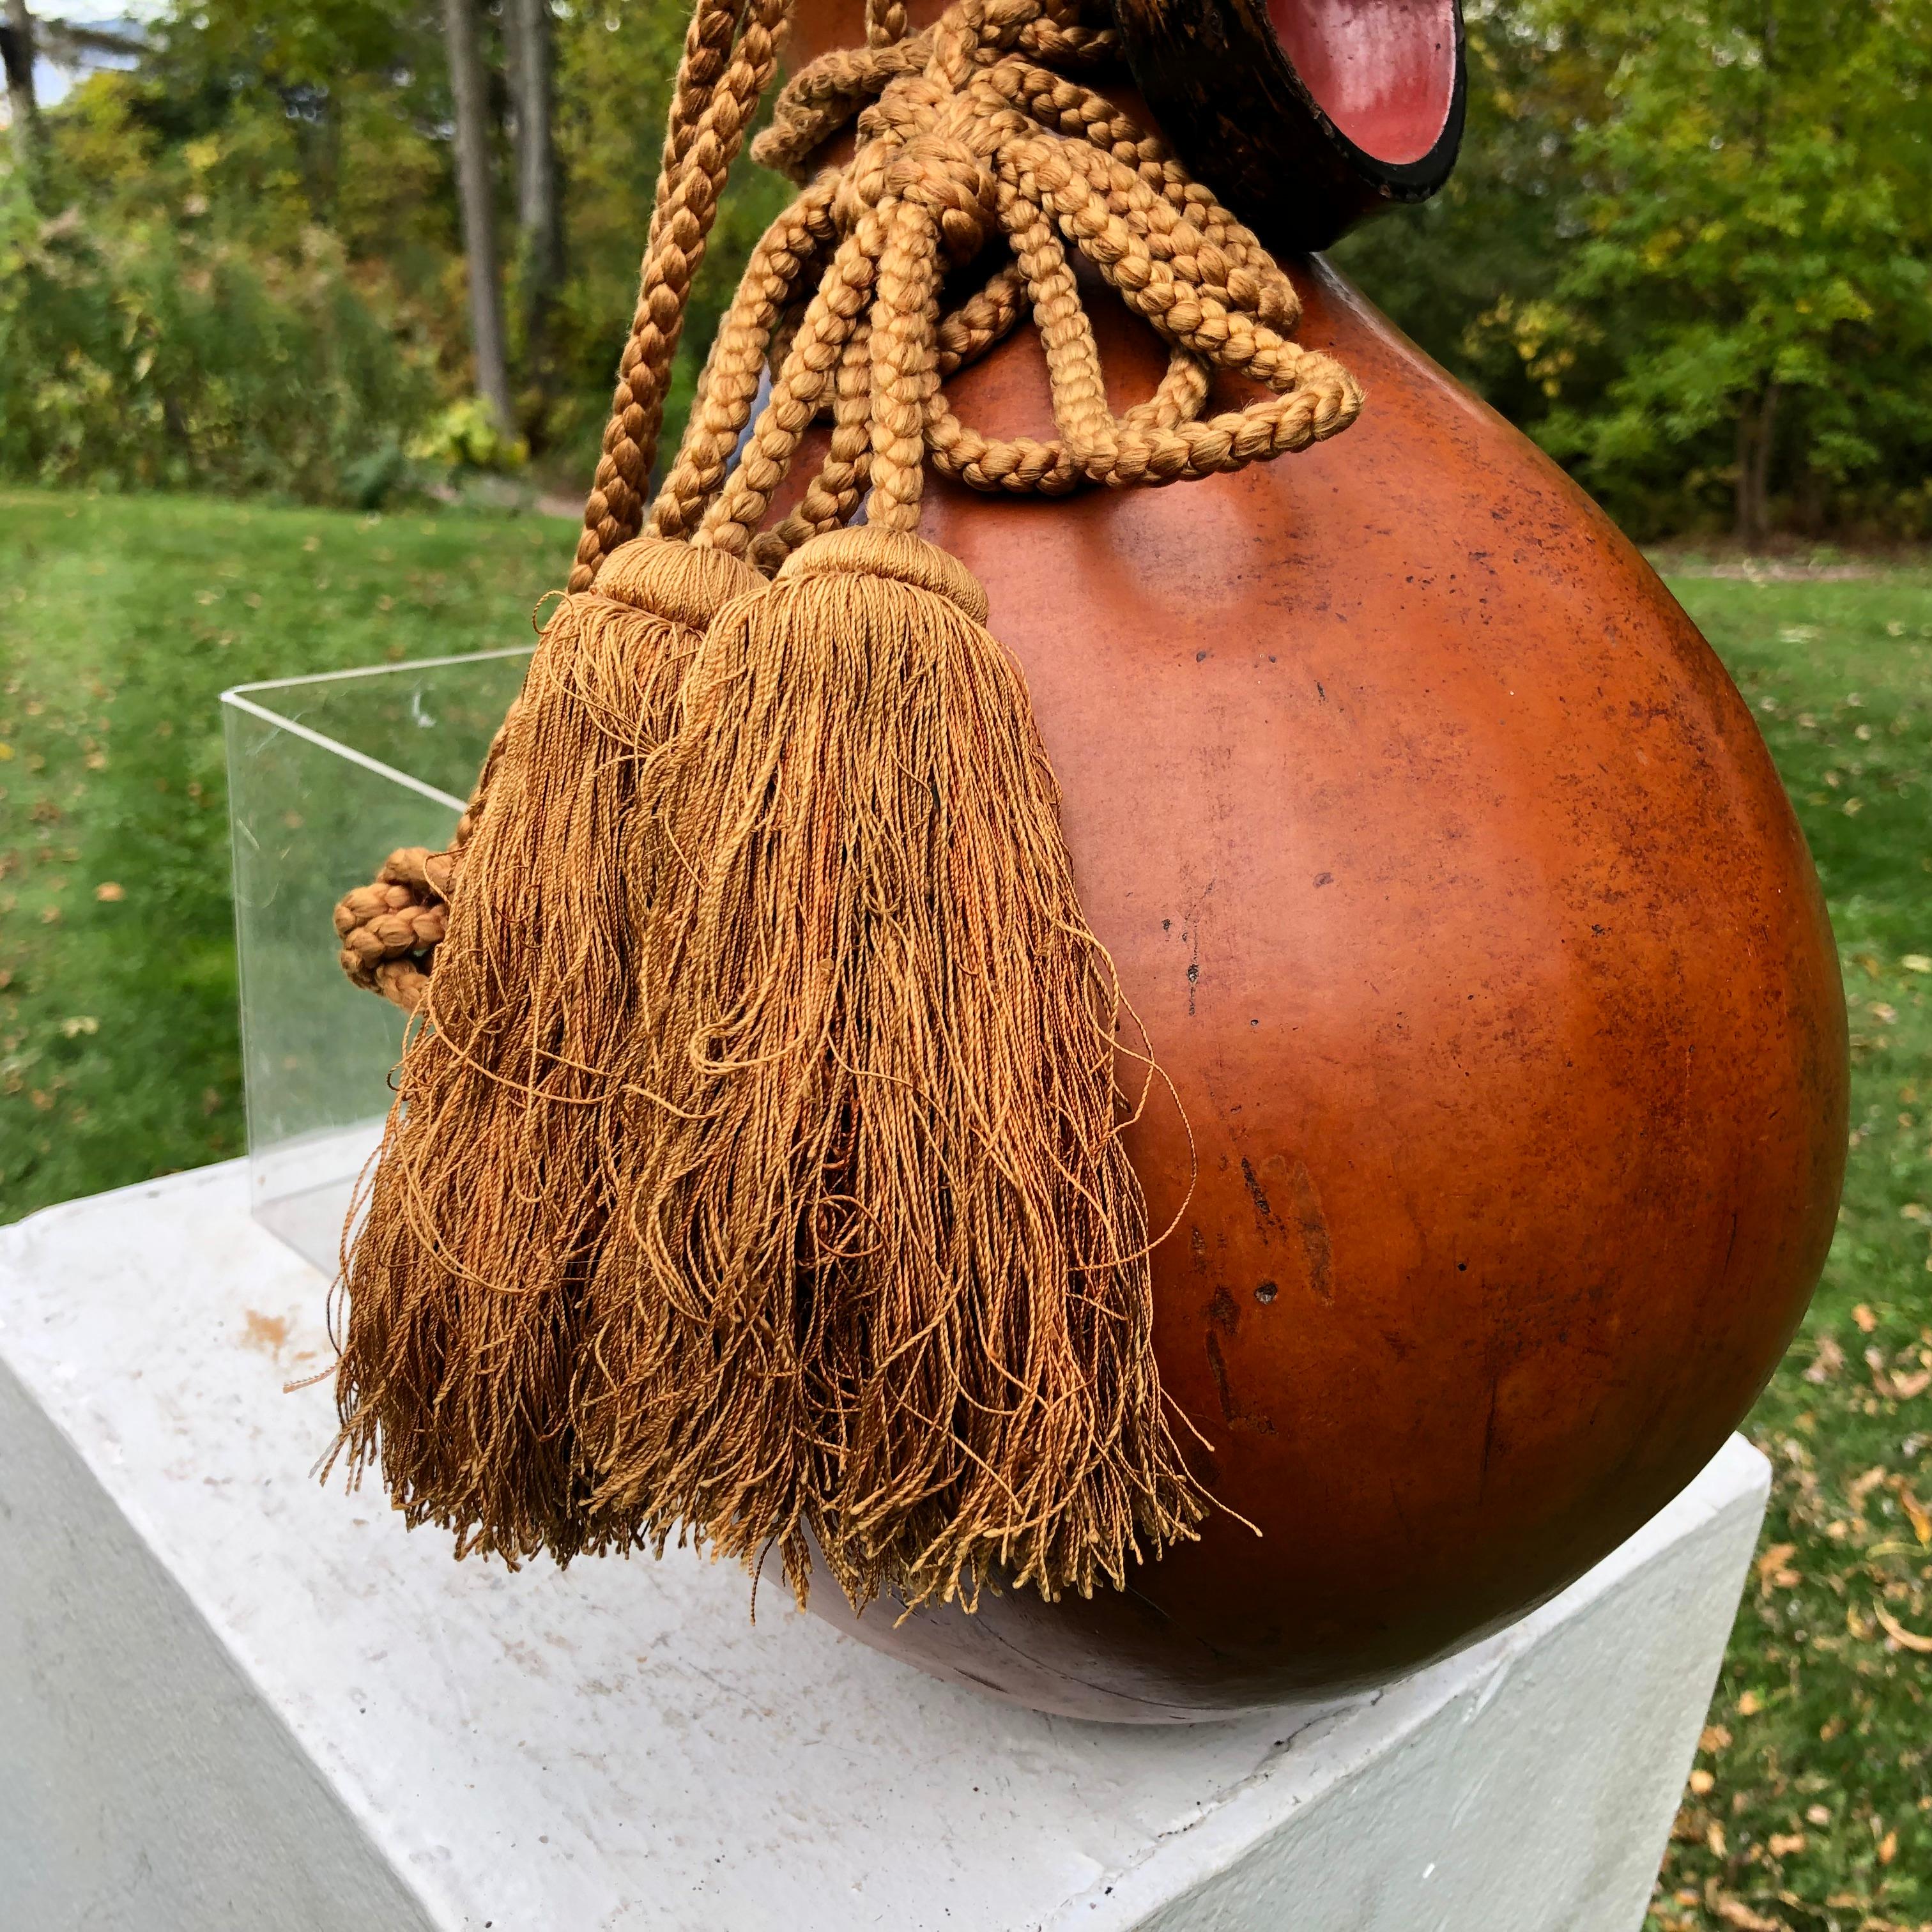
x=617 y=1745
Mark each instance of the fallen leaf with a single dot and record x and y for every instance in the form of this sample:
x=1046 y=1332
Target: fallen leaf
x=1886 y=1015
x=1828 y=1362
x=1715 y=1739
x=1818 y=1814
x=81 y=1023
x=1773 y=1571
x=1864 y=1317
x=1863 y=1485
x=1917 y=962
x=1713 y=1837
x=1895 y=1388
x=1736 y=1911
x=1888 y=1848
x=1832 y=1726
x=1915 y=1514
x=1750 y=1704
x=1701 y=1783
x=107 y=892
x=1907 y=1639
x=1786 y=1844
x=50 y=915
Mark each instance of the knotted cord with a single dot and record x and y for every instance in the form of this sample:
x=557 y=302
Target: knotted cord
x=976 y=130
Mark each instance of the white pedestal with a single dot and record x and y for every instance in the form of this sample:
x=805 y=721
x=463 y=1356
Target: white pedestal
x=230 y=1702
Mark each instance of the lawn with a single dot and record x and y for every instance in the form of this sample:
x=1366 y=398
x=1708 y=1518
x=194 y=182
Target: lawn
x=1810 y=1808
x=121 y=620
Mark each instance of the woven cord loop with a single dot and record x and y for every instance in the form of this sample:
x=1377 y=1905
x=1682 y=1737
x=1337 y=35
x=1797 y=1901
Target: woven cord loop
x=965 y=138
x=758 y=1174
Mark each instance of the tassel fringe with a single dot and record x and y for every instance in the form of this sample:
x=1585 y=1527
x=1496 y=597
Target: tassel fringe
x=491 y=1194
x=877 y=1274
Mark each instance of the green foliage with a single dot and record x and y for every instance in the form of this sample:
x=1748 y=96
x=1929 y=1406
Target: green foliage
x=1688 y=246
x=143 y=359
x=1689 y=249
x=465 y=436
x=291 y=143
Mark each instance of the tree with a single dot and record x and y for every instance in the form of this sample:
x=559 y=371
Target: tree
x=1688 y=248
x=468 y=88
x=16 y=51
x=1755 y=237
x=540 y=260
x=23 y=41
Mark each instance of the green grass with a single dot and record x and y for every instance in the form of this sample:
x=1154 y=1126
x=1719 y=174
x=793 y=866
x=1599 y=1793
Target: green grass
x=120 y=621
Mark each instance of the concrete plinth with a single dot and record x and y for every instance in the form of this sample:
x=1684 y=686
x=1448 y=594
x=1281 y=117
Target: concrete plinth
x=230 y=1702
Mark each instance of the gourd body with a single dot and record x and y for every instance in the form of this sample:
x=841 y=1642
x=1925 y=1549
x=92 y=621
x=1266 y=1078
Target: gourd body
x=1461 y=904
x=1464 y=909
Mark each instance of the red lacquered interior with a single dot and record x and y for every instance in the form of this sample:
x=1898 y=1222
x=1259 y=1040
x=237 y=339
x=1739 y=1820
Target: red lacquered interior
x=1383 y=71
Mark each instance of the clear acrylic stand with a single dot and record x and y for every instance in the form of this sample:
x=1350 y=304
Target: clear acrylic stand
x=327 y=775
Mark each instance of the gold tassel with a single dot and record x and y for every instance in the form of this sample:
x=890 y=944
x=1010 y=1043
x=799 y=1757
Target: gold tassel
x=491 y=1192
x=878 y=1272
x=759 y=1176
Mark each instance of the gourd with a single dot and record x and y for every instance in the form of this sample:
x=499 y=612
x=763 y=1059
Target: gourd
x=1453 y=882
x=1501 y=1121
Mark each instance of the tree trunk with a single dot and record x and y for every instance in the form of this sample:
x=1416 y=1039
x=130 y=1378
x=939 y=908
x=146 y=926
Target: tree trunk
x=1811 y=507
x=528 y=27
x=16 y=49
x=475 y=191
x=1757 y=424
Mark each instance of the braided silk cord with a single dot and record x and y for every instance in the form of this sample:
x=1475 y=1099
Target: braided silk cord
x=389 y=929
x=722 y=77
x=973 y=129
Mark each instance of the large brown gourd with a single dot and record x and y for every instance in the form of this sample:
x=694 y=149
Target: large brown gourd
x=1456 y=887
x=1460 y=899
